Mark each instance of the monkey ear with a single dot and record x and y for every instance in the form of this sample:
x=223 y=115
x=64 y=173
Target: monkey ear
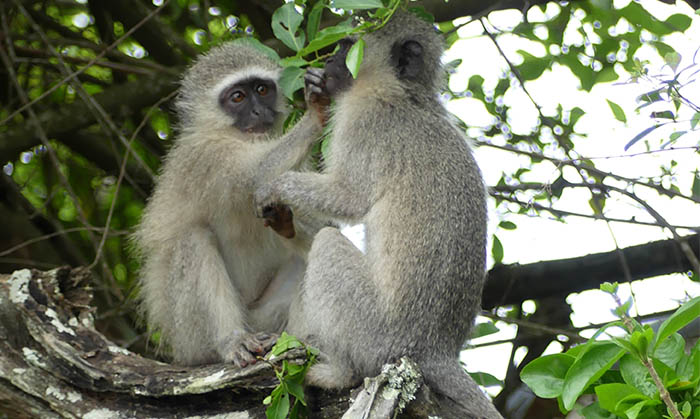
x=407 y=58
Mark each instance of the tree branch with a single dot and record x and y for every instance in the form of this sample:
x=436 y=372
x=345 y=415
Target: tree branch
x=513 y=284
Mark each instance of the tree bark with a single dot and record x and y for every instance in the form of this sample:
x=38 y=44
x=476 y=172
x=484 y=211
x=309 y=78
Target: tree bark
x=53 y=363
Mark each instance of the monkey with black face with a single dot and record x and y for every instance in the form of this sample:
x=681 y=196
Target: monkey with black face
x=216 y=282
x=399 y=165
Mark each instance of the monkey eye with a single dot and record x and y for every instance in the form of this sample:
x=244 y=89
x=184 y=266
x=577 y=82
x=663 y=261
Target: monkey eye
x=261 y=89
x=237 y=96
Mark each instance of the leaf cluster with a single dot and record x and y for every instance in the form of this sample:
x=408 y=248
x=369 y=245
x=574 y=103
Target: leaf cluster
x=287 y=399
x=621 y=371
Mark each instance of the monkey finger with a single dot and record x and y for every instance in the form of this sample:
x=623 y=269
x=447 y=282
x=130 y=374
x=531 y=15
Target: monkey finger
x=267 y=340
x=315 y=72
x=240 y=357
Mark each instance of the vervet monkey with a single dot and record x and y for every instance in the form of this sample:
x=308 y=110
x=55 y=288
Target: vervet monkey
x=214 y=280
x=397 y=163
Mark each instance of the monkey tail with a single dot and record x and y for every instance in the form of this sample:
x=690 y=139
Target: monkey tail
x=458 y=394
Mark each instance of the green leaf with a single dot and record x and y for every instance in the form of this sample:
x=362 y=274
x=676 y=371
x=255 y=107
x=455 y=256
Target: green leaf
x=497 y=250
x=545 y=375
x=291 y=80
x=609 y=395
x=296 y=389
x=532 y=67
x=279 y=407
x=314 y=20
x=575 y=114
x=688 y=369
x=422 y=13
x=594 y=411
x=328 y=36
x=284 y=343
x=624 y=343
x=684 y=315
x=672 y=59
x=507 y=225
x=293 y=62
x=634 y=411
x=285 y=25
x=617 y=111
x=485 y=379
x=588 y=368
x=356 y=4
x=670 y=350
x=695 y=120
x=663 y=115
x=609 y=288
x=635 y=374
x=354 y=58
x=676 y=135
x=483 y=329
x=640 y=136
x=679 y=22
x=696 y=185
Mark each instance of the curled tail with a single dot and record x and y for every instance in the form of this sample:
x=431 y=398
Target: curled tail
x=458 y=394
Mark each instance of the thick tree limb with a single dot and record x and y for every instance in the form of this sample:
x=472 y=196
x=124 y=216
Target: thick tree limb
x=512 y=284
x=53 y=363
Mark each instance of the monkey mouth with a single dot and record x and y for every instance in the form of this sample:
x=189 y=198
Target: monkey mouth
x=258 y=129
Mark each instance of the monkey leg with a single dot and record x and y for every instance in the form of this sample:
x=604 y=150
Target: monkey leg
x=205 y=310
x=332 y=302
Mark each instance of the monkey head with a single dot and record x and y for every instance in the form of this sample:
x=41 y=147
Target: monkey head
x=233 y=87
x=408 y=50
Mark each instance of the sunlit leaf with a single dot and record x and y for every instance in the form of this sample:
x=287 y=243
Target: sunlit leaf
x=291 y=80
x=617 y=111
x=507 y=225
x=485 y=379
x=314 y=20
x=285 y=25
x=483 y=329
x=688 y=312
x=672 y=59
x=588 y=368
x=497 y=250
x=695 y=120
x=328 y=36
x=545 y=375
x=354 y=58
x=356 y=4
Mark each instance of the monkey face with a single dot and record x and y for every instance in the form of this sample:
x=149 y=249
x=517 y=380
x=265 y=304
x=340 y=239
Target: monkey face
x=338 y=77
x=251 y=104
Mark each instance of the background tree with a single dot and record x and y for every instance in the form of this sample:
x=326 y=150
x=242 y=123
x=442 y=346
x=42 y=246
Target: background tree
x=87 y=89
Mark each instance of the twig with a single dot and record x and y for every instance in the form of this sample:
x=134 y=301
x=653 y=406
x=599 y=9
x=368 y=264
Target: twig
x=122 y=172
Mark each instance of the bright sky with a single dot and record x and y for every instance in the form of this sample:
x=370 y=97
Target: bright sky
x=538 y=239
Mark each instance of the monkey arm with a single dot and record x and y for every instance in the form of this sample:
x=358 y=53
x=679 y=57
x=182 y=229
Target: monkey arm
x=315 y=193
x=291 y=150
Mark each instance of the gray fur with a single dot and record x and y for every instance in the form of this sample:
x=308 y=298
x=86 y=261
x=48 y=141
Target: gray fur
x=214 y=280
x=399 y=165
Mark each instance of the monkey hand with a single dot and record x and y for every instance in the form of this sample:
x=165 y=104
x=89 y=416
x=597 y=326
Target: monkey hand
x=315 y=92
x=242 y=349
x=280 y=218
x=268 y=202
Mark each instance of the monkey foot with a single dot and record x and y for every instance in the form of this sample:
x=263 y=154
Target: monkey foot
x=243 y=350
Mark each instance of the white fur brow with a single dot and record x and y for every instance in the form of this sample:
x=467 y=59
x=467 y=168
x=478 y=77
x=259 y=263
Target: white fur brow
x=247 y=73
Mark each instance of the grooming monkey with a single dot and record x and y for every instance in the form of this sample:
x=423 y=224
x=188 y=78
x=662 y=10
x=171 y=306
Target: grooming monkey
x=399 y=165
x=215 y=281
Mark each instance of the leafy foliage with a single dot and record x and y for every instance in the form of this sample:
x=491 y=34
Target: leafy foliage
x=287 y=399
x=652 y=370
